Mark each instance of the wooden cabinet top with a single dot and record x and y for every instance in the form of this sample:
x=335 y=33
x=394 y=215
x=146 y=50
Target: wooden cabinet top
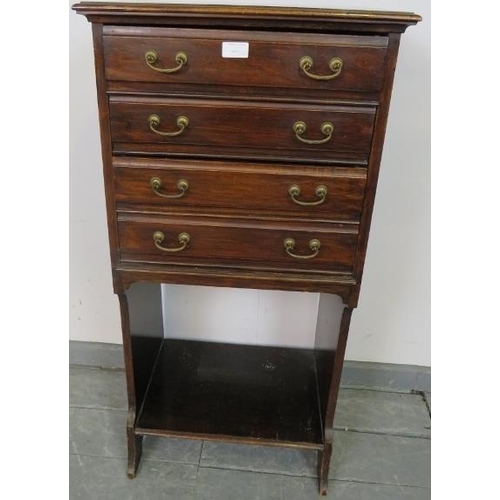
x=247 y=16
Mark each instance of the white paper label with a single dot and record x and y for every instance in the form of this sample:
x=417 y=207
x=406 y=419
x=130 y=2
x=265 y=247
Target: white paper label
x=237 y=50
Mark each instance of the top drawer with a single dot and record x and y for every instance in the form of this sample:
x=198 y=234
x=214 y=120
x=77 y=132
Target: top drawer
x=258 y=59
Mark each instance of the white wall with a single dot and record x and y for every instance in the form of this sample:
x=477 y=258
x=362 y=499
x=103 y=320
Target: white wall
x=392 y=321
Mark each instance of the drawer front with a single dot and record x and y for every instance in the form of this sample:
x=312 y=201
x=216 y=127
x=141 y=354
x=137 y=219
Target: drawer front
x=215 y=127
x=235 y=243
x=332 y=193
x=298 y=61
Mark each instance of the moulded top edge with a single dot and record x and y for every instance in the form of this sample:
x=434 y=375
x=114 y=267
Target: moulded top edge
x=158 y=10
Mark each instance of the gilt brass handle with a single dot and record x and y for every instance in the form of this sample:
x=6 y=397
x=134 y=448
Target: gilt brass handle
x=335 y=64
x=321 y=191
x=154 y=122
x=151 y=57
x=183 y=238
x=314 y=245
x=182 y=186
x=326 y=129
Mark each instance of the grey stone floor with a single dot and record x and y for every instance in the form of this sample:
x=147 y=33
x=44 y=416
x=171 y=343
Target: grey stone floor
x=381 y=451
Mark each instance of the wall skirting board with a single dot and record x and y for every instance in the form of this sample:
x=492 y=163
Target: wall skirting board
x=384 y=376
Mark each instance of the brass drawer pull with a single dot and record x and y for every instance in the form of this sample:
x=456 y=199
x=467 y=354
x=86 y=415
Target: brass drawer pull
x=183 y=238
x=321 y=191
x=182 y=123
x=306 y=63
x=326 y=129
x=314 y=245
x=182 y=185
x=151 y=57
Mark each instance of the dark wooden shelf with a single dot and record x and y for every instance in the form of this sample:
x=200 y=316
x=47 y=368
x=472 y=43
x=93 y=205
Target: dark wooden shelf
x=239 y=392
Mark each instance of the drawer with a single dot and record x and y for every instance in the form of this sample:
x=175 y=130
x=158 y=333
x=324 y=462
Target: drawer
x=308 y=192
x=236 y=243
x=249 y=129
x=258 y=59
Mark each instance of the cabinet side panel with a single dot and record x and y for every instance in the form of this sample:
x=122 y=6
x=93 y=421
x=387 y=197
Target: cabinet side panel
x=325 y=344
x=374 y=164
x=104 y=127
x=336 y=373
x=145 y=332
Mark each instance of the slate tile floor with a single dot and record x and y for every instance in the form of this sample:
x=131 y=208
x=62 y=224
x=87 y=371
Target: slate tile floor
x=381 y=452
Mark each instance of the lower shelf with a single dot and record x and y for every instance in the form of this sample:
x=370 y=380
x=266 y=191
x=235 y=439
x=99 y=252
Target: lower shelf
x=235 y=392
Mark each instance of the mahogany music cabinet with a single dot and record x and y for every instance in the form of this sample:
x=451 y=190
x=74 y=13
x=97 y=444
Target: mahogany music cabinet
x=241 y=148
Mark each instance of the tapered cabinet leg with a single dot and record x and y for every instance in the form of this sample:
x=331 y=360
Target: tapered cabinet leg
x=142 y=328
x=330 y=351
x=324 y=468
x=134 y=444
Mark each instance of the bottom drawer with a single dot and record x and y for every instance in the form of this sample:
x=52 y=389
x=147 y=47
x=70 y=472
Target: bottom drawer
x=238 y=243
